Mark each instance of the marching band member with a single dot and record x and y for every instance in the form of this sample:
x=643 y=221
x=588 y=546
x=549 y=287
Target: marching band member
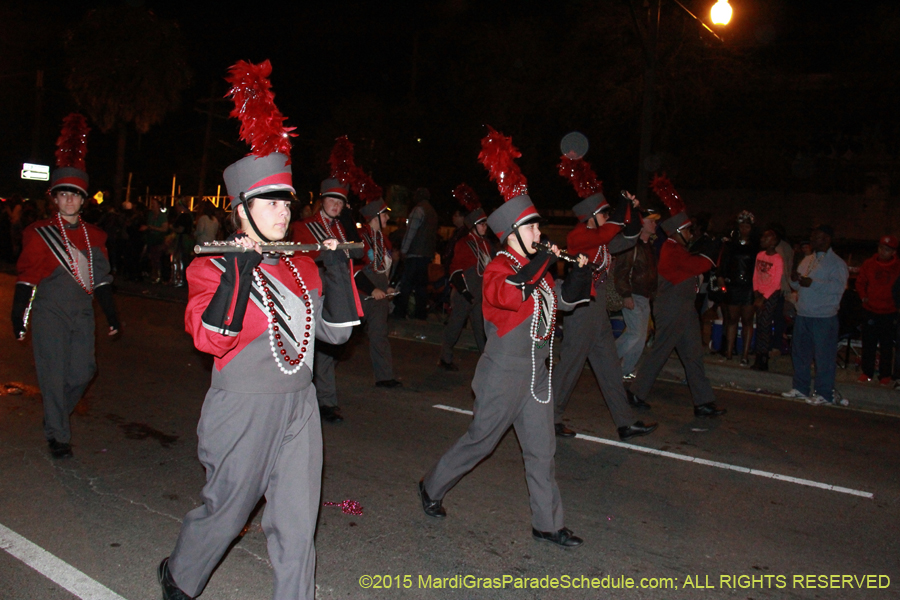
x=62 y=268
x=471 y=255
x=260 y=315
x=512 y=382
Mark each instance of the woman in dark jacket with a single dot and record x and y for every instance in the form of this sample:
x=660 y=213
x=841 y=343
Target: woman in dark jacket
x=737 y=266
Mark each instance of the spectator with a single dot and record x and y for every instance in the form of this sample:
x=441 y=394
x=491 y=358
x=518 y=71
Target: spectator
x=874 y=285
x=767 y=293
x=417 y=251
x=207 y=225
x=636 y=281
x=113 y=224
x=183 y=245
x=737 y=266
x=134 y=220
x=820 y=281
x=787 y=258
x=155 y=228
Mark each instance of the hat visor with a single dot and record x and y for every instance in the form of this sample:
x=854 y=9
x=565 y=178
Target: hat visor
x=336 y=195
x=68 y=188
x=275 y=195
x=532 y=218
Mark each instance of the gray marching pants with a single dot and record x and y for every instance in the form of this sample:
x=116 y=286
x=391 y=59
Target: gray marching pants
x=63 y=347
x=587 y=335
x=324 y=360
x=678 y=328
x=255 y=445
x=376 y=315
x=461 y=309
x=503 y=398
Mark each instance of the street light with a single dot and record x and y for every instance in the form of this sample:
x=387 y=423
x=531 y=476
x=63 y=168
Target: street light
x=720 y=13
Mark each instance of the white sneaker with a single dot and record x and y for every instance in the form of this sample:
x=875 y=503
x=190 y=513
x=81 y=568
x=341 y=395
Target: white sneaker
x=817 y=400
x=794 y=393
x=629 y=377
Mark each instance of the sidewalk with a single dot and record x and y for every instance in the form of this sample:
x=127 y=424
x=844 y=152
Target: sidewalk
x=728 y=375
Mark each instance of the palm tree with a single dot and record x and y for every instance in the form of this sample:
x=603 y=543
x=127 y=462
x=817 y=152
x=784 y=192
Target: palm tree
x=126 y=67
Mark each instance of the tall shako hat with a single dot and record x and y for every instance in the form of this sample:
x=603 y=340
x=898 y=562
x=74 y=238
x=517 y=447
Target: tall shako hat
x=370 y=193
x=267 y=169
x=678 y=218
x=498 y=156
x=466 y=196
x=343 y=168
x=71 y=148
x=590 y=189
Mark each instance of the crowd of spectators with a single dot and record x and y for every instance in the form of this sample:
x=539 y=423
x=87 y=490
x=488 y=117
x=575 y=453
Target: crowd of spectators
x=750 y=292
x=146 y=241
x=769 y=297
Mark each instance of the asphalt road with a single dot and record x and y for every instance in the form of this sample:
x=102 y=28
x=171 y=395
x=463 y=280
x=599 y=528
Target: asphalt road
x=113 y=511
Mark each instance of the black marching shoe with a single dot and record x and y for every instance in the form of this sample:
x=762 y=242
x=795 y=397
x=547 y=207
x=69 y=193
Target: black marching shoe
x=762 y=362
x=59 y=449
x=636 y=402
x=636 y=429
x=563 y=431
x=388 y=383
x=447 y=366
x=564 y=537
x=331 y=414
x=431 y=507
x=170 y=591
x=709 y=410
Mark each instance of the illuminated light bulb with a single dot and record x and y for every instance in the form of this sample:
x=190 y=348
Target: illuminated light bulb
x=721 y=12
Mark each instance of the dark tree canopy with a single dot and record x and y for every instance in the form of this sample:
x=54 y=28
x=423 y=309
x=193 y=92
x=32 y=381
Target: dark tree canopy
x=126 y=66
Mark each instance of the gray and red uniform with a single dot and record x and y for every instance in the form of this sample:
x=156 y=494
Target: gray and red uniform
x=61 y=312
x=471 y=255
x=259 y=431
x=676 y=323
x=512 y=387
x=587 y=332
x=371 y=274
x=314 y=230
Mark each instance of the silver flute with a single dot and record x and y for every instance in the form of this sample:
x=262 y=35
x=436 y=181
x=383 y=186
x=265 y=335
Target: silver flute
x=565 y=255
x=228 y=247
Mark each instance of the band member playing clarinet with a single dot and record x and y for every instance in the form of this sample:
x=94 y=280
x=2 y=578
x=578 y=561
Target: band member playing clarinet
x=512 y=385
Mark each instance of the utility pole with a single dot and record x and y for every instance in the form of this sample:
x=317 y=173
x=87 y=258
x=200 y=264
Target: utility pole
x=204 y=159
x=38 y=110
x=647 y=109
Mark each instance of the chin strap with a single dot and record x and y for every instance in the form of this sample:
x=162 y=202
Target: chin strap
x=529 y=252
x=256 y=230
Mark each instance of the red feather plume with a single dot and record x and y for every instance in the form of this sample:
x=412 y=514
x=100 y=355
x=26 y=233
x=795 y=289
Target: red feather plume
x=498 y=156
x=364 y=186
x=666 y=192
x=466 y=196
x=71 y=147
x=343 y=164
x=262 y=124
x=578 y=171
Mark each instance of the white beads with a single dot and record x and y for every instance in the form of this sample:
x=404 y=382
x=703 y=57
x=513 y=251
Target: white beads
x=280 y=356
x=534 y=330
x=70 y=257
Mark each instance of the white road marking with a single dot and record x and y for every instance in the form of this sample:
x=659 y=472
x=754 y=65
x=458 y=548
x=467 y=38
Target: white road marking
x=54 y=569
x=700 y=461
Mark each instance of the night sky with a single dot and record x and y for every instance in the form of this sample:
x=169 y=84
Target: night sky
x=799 y=97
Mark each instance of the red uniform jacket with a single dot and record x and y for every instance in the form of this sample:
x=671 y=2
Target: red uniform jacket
x=874 y=284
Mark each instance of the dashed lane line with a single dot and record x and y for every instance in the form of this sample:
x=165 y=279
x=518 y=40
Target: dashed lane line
x=56 y=570
x=700 y=461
